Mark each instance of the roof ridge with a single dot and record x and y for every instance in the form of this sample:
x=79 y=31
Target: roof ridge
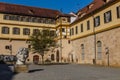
x=28 y=10
x=22 y=5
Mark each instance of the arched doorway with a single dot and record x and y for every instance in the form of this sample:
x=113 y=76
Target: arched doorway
x=52 y=57
x=57 y=56
x=35 y=59
x=72 y=60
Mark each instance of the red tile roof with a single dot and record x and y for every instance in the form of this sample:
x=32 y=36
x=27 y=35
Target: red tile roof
x=91 y=7
x=96 y=4
x=30 y=11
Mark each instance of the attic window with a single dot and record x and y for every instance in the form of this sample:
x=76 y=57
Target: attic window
x=90 y=6
x=79 y=13
x=105 y=1
x=83 y=14
x=31 y=11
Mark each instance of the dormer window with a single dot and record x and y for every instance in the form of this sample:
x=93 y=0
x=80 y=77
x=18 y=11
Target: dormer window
x=105 y=1
x=79 y=13
x=82 y=14
x=31 y=11
x=90 y=6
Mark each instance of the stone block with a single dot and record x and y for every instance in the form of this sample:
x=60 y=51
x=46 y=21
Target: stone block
x=21 y=68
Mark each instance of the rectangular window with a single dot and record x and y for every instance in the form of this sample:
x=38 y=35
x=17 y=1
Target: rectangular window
x=96 y=21
x=28 y=19
x=99 y=50
x=72 y=31
x=118 y=12
x=52 y=33
x=16 y=31
x=76 y=29
x=26 y=31
x=5 y=30
x=63 y=29
x=17 y=18
x=36 y=31
x=29 y=46
x=81 y=27
x=22 y=18
x=88 y=25
x=107 y=17
x=6 y=17
x=52 y=21
x=11 y=17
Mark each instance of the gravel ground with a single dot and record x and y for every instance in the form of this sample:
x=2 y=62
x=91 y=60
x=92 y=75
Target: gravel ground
x=69 y=72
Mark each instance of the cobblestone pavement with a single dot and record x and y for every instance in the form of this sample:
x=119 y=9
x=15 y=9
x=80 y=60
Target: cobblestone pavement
x=69 y=72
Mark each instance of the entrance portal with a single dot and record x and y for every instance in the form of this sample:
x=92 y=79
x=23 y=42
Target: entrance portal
x=35 y=59
x=57 y=56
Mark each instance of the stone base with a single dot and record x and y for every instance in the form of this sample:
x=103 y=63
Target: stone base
x=21 y=68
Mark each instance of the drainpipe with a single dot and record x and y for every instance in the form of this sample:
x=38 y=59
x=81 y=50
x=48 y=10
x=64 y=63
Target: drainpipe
x=94 y=60
x=61 y=37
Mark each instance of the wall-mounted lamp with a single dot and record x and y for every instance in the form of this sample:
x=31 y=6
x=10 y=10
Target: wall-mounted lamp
x=107 y=53
x=107 y=50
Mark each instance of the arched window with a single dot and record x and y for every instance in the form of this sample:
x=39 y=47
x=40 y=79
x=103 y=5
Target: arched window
x=82 y=52
x=99 y=50
x=57 y=56
x=52 y=57
x=16 y=30
x=26 y=31
x=5 y=30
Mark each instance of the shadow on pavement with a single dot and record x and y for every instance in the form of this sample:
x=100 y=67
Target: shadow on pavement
x=5 y=72
x=35 y=70
x=50 y=64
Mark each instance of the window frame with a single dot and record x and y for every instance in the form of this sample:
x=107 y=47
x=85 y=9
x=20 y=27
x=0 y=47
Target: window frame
x=5 y=30
x=107 y=16
x=118 y=11
x=6 y=17
x=97 y=23
x=72 y=31
x=16 y=31
x=52 y=33
x=36 y=31
x=88 y=25
x=99 y=50
x=76 y=28
x=81 y=28
x=26 y=31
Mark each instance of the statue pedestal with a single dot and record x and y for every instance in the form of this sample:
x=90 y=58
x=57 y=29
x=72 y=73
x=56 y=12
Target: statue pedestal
x=21 y=68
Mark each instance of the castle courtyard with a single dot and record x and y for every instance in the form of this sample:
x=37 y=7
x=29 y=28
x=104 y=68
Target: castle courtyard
x=69 y=72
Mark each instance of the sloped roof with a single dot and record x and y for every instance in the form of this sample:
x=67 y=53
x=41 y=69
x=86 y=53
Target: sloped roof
x=30 y=11
x=96 y=4
x=91 y=7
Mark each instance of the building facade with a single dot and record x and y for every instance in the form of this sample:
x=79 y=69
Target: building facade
x=18 y=22
x=95 y=34
x=90 y=36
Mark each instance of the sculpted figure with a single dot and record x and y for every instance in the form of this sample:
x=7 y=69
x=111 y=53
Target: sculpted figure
x=22 y=55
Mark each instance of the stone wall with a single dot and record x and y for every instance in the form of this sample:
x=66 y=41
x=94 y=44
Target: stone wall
x=110 y=39
x=88 y=49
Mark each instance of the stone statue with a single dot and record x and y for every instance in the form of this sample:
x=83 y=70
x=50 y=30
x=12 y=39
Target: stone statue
x=22 y=55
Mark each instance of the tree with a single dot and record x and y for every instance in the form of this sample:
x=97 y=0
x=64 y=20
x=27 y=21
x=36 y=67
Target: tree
x=42 y=41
